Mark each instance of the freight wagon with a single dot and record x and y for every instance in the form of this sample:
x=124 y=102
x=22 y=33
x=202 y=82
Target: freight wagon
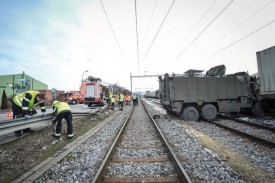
x=266 y=80
x=152 y=94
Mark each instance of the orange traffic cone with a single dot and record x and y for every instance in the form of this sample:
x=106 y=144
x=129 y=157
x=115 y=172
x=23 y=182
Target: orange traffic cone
x=9 y=115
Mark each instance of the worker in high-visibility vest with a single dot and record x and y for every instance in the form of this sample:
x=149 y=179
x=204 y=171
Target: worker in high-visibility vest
x=113 y=103
x=134 y=99
x=22 y=106
x=110 y=96
x=121 y=101
x=62 y=110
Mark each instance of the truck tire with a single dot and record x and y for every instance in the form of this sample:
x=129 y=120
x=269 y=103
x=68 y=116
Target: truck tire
x=190 y=113
x=208 y=112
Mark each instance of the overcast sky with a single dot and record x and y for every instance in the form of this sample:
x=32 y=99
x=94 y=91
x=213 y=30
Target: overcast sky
x=55 y=41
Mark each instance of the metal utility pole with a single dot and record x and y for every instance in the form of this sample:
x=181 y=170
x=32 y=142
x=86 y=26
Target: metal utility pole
x=131 y=82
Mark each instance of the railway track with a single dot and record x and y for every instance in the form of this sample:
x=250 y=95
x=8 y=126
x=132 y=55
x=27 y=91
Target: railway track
x=257 y=132
x=140 y=153
x=259 y=125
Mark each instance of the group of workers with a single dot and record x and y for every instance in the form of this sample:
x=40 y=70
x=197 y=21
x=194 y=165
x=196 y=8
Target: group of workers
x=23 y=106
x=121 y=100
x=112 y=100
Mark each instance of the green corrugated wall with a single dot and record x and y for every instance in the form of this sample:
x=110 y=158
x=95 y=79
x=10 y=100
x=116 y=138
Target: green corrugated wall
x=5 y=80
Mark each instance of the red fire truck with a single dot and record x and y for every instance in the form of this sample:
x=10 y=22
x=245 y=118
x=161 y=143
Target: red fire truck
x=71 y=97
x=93 y=92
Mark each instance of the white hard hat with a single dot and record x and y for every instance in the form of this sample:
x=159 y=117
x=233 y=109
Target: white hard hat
x=55 y=102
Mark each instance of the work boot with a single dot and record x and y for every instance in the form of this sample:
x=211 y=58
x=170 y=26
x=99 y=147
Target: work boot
x=55 y=136
x=18 y=133
x=70 y=136
x=28 y=130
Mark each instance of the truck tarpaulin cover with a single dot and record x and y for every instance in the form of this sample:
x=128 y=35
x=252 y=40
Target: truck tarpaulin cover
x=218 y=70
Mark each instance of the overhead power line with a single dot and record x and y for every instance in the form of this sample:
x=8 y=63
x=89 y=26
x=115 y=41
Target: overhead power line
x=258 y=11
x=228 y=46
x=208 y=9
x=158 y=31
x=193 y=40
x=149 y=24
x=137 y=33
x=111 y=28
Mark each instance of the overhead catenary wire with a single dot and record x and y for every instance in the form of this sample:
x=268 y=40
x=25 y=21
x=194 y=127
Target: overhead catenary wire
x=193 y=40
x=228 y=46
x=149 y=24
x=205 y=13
x=244 y=21
x=158 y=31
x=111 y=28
x=137 y=33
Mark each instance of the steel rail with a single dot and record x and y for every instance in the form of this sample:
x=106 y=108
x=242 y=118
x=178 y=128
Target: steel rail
x=248 y=123
x=259 y=139
x=180 y=170
x=106 y=161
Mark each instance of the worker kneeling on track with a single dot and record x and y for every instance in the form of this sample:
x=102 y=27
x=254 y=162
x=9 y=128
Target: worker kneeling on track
x=62 y=110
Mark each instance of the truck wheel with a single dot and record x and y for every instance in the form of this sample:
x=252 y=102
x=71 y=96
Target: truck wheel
x=208 y=112
x=190 y=113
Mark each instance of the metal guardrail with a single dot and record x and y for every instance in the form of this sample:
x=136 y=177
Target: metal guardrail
x=11 y=125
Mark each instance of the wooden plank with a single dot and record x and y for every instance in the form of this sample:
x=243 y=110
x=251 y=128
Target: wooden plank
x=169 y=179
x=139 y=147
x=138 y=160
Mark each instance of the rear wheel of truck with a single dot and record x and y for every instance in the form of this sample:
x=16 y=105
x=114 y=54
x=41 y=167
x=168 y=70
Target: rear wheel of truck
x=190 y=113
x=208 y=112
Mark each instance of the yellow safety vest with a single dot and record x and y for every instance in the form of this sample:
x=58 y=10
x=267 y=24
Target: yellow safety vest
x=110 y=94
x=113 y=100
x=19 y=98
x=120 y=97
x=61 y=106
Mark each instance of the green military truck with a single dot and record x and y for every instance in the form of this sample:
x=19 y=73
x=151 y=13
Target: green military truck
x=193 y=97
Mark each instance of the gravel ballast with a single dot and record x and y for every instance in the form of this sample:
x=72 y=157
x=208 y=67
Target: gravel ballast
x=82 y=163
x=253 y=161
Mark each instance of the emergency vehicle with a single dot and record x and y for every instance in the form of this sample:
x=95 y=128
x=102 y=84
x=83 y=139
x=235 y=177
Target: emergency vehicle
x=93 y=92
x=71 y=97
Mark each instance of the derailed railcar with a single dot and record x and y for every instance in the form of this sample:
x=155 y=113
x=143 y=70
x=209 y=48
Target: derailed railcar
x=195 y=97
x=152 y=94
x=266 y=92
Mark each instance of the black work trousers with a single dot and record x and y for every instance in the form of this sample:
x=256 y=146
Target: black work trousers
x=18 y=113
x=69 y=119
